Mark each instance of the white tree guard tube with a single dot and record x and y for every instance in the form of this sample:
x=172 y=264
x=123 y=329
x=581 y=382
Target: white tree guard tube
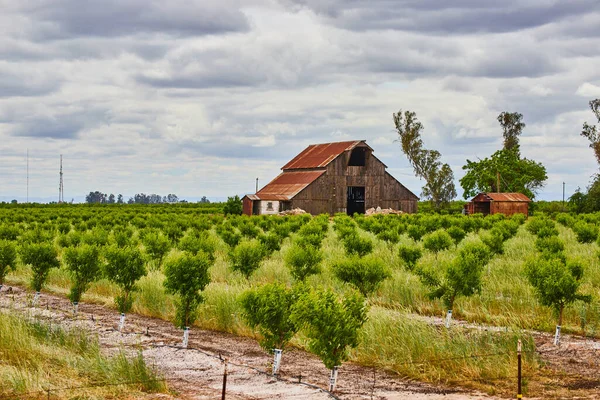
x=448 y=318
x=122 y=322
x=333 y=379
x=186 y=336
x=75 y=307
x=557 y=336
x=35 y=298
x=276 y=360
x=1 y=287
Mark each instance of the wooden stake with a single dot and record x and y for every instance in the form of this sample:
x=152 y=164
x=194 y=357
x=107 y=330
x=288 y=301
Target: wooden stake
x=224 y=381
x=519 y=391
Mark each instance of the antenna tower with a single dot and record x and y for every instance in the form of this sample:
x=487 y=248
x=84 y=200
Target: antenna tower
x=61 y=188
x=27 y=175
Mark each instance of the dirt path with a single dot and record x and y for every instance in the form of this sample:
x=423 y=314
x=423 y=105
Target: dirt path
x=197 y=372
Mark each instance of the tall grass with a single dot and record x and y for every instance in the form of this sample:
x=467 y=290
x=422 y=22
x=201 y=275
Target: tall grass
x=415 y=349
x=37 y=356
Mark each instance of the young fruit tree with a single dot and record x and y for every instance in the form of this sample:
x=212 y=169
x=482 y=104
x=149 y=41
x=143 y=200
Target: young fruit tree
x=437 y=241
x=269 y=309
x=8 y=259
x=124 y=267
x=83 y=263
x=410 y=255
x=157 y=246
x=42 y=257
x=303 y=261
x=556 y=284
x=247 y=256
x=332 y=325
x=365 y=274
x=461 y=278
x=186 y=276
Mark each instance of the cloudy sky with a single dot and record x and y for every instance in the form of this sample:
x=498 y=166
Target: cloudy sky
x=200 y=97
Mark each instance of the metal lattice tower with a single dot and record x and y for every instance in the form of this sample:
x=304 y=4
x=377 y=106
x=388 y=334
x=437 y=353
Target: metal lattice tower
x=61 y=188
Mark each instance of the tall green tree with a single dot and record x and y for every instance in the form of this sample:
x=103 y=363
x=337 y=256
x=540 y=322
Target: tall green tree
x=439 y=178
x=592 y=132
x=590 y=200
x=512 y=127
x=505 y=167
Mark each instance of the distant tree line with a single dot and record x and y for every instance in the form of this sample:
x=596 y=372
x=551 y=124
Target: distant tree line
x=98 y=197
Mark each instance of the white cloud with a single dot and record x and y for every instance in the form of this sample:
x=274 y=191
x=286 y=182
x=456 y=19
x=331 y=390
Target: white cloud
x=588 y=90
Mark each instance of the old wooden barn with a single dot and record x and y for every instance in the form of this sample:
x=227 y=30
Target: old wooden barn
x=332 y=178
x=498 y=203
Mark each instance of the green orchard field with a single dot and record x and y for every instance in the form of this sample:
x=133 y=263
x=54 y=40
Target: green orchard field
x=406 y=269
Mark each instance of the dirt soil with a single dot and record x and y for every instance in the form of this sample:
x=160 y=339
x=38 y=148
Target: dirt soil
x=197 y=372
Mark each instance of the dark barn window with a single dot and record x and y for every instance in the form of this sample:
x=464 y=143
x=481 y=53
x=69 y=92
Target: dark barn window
x=358 y=157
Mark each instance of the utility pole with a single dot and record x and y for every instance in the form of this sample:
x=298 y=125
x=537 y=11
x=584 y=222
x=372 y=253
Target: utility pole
x=563 y=205
x=497 y=182
x=61 y=189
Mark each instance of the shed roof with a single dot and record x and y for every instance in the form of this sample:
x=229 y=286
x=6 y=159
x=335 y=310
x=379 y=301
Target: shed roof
x=319 y=155
x=288 y=184
x=500 y=197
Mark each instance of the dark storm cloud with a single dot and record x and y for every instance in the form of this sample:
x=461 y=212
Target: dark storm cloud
x=68 y=125
x=49 y=128
x=15 y=84
x=60 y=19
x=439 y=16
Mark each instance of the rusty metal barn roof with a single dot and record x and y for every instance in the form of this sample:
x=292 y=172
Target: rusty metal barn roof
x=319 y=155
x=288 y=184
x=514 y=197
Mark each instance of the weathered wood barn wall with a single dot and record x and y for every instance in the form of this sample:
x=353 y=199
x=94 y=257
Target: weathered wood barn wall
x=336 y=177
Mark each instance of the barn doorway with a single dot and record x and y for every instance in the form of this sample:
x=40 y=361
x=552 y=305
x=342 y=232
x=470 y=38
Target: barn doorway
x=256 y=207
x=481 y=207
x=356 y=200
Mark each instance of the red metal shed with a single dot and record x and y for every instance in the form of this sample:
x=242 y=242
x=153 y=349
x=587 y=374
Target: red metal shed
x=499 y=203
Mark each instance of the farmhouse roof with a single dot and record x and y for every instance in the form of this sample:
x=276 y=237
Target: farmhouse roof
x=320 y=155
x=500 y=197
x=288 y=184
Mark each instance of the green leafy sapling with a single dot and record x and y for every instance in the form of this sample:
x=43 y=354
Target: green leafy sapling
x=83 y=264
x=331 y=323
x=365 y=274
x=124 y=266
x=42 y=257
x=303 y=261
x=186 y=276
x=247 y=256
x=462 y=277
x=456 y=233
x=410 y=255
x=269 y=309
x=556 y=285
x=8 y=259
x=354 y=244
x=437 y=241
x=157 y=246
